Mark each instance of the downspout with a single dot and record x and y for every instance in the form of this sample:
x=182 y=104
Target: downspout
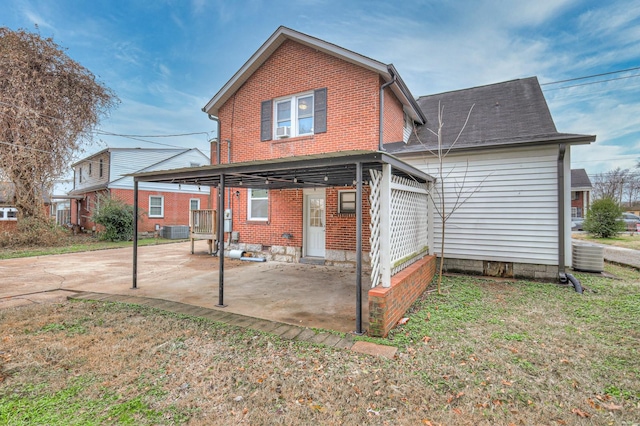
x=561 y=263
x=384 y=86
x=563 y=277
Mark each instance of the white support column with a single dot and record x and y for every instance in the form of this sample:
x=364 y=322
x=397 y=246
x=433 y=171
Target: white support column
x=385 y=226
x=430 y=226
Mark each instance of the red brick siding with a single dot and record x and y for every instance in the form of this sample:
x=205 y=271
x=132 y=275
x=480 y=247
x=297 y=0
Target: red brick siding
x=285 y=216
x=341 y=228
x=176 y=208
x=352 y=123
x=388 y=305
x=580 y=202
x=352 y=105
x=8 y=225
x=393 y=117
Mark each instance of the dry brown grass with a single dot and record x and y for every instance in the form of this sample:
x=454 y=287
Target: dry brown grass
x=487 y=353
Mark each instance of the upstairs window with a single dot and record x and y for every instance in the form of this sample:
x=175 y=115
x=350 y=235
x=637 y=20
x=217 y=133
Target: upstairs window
x=295 y=115
x=101 y=166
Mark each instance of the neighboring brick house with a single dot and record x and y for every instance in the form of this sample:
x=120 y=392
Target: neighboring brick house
x=580 y=192
x=107 y=173
x=8 y=211
x=300 y=103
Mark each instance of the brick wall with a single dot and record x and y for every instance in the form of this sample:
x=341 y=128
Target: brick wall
x=352 y=123
x=286 y=217
x=176 y=208
x=388 y=305
x=352 y=106
x=341 y=228
x=8 y=225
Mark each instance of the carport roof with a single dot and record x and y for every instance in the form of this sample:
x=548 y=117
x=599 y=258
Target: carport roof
x=310 y=171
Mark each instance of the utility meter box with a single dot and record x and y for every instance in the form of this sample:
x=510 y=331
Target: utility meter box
x=227 y=220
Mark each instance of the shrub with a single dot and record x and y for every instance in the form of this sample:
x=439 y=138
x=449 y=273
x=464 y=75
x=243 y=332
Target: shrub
x=34 y=232
x=116 y=217
x=604 y=219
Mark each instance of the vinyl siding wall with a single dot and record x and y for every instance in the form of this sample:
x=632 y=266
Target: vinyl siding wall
x=511 y=211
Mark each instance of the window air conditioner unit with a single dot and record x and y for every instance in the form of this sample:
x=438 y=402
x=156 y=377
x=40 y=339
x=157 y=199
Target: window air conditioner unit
x=283 y=132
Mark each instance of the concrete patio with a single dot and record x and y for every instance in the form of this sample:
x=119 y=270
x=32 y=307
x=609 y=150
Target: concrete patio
x=302 y=295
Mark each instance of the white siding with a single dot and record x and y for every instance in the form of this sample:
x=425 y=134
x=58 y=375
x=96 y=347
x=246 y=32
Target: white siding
x=131 y=161
x=511 y=212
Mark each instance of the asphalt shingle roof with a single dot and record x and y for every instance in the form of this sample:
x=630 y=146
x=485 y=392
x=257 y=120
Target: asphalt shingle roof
x=512 y=112
x=580 y=179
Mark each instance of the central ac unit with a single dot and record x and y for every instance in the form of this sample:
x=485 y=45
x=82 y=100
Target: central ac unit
x=283 y=132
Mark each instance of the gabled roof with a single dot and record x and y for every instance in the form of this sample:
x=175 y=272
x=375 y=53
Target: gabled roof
x=580 y=180
x=511 y=113
x=387 y=72
x=163 y=152
x=125 y=161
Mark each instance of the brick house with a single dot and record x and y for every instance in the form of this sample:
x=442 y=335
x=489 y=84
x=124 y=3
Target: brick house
x=301 y=110
x=106 y=173
x=580 y=192
x=8 y=211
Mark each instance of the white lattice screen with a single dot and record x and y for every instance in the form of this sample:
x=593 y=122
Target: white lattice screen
x=408 y=223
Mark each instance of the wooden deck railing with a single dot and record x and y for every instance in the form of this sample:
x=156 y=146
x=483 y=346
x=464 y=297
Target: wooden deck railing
x=203 y=226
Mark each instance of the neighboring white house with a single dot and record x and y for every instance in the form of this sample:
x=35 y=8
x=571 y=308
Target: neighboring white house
x=512 y=168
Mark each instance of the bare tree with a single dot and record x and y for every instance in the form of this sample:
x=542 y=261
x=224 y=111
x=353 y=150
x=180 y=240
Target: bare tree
x=49 y=104
x=611 y=184
x=461 y=190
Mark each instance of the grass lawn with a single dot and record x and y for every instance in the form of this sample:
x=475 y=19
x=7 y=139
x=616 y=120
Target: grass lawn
x=626 y=240
x=79 y=243
x=487 y=353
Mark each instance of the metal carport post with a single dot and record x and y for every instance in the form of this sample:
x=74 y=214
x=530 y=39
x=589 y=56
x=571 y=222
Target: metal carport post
x=220 y=237
x=135 y=234
x=359 y=249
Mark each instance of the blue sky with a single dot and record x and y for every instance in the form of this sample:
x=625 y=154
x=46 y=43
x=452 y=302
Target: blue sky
x=166 y=59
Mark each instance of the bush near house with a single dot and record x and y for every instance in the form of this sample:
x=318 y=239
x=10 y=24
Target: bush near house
x=603 y=219
x=116 y=217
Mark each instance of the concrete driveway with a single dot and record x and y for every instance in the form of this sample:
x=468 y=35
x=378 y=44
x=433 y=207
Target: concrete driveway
x=304 y=295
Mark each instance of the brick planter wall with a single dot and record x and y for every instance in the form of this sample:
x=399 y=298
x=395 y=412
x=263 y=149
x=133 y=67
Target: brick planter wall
x=388 y=305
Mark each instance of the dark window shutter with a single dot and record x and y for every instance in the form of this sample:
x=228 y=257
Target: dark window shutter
x=265 y=121
x=320 y=111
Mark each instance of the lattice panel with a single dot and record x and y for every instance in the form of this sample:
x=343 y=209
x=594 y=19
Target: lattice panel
x=374 y=225
x=408 y=222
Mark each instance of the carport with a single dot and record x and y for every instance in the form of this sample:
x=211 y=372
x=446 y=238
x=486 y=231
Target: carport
x=401 y=225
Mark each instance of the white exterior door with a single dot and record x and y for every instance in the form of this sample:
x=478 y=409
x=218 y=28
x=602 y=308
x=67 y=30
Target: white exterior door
x=315 y=225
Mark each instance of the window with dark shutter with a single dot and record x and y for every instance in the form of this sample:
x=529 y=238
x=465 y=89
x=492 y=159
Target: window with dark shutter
x=320 y=110
x=265 y=121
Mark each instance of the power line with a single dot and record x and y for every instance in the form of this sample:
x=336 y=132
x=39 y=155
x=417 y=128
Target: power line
x=589 y=76
x=593 y=82
x=154 y=136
